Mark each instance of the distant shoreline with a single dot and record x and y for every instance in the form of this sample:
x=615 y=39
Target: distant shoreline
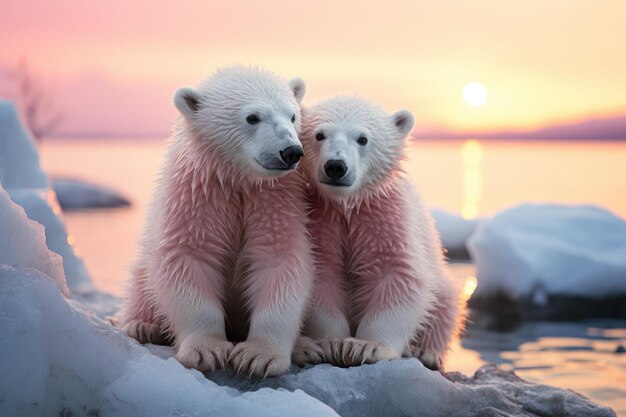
x=420 y=138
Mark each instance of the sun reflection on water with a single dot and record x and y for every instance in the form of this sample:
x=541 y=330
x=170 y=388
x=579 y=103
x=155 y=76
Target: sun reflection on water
x=472 y=156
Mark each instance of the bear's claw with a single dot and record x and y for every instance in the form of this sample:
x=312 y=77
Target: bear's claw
x=358 y=352
x=143 y=332
x=205 y=354
x=431 y=359
x=307 y=351
x=332 y=349
x=258 y=358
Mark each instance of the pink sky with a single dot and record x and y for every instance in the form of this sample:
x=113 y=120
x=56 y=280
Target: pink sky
x=113 y=66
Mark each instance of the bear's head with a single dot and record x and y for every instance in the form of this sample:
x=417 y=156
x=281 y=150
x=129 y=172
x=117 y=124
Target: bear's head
x=352 y=146
x=249 y=117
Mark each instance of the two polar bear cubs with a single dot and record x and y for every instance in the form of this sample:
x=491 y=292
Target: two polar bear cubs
x=237 y=248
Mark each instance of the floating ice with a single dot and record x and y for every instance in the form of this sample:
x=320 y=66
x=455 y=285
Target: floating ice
x=454 y=231
x=76 y=194
x=534 y=251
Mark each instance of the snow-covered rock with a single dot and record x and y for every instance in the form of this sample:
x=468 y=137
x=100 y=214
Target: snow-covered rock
x=19 y=161
x=537 y=251
x=454 y=231
x=406 y=388
x=102 y=304
x=75 y=194
x=27 y=185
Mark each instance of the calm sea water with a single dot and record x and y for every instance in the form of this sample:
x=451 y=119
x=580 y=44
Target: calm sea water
x=474 y=178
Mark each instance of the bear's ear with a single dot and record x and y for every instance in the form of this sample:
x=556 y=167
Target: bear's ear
x=298 y=87
x=187 y=100
x=403 y=120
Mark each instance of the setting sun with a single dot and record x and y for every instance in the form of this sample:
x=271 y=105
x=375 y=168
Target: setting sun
x=474 y=94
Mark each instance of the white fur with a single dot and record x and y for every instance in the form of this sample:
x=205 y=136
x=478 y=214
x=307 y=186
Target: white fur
x=368 y=165
x=222 y=117
x=226 y=239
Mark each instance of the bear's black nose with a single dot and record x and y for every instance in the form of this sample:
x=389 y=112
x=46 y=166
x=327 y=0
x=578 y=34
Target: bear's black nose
x=291 y=155
x=335 y=169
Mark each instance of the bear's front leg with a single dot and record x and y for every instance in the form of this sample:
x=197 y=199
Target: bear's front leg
x=393 y=311
x=277 y=282
x=326 y=319
x=189 y=291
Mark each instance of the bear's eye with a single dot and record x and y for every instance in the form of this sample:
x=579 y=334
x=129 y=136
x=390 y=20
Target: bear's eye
x=320 y=136
x=362 y=140
x=253 y=119
x=293 y=118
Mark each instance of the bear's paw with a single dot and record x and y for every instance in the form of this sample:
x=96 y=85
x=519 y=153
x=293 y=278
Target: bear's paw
x=259 y=358
x=356 y=352
x=306 y=351
x=431 y=359
x=143 y=332
x=205 y=354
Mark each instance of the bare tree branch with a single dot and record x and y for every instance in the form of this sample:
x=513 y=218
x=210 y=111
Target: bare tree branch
x=35 y=103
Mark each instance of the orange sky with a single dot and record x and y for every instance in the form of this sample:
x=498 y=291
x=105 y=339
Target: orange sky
x=115 y=65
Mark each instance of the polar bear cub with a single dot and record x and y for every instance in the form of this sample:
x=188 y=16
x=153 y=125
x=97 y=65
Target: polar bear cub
x=382 y=290
x=225 y=256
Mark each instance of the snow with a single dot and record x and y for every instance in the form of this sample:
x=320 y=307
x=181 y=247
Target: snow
x=57 y=359
x=41 y=206
x=102 y=304
x=77 y=194
x=535 y=251
x=405 y=387
x=22 y=243
x=454 y=231
x=19 y=161
x=27 y=185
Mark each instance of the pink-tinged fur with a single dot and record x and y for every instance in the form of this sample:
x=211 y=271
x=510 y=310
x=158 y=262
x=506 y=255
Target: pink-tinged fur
x=382 y=288
x=222 y=250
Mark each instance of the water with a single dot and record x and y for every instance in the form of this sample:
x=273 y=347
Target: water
x=470 y=177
